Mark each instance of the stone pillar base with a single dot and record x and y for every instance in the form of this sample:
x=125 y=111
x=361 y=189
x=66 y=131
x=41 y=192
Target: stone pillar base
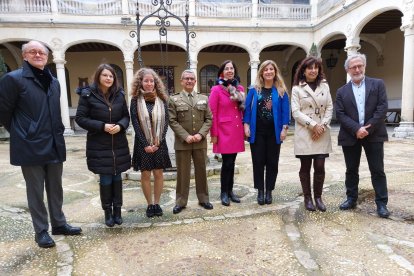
x=68 y=132
x=405 y=130
x=4 y=134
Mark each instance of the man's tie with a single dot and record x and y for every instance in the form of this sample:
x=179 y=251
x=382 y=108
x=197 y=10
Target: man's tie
x=190 y=98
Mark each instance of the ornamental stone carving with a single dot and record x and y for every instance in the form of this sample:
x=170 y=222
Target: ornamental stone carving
x=56 y=43
x=127 y=44
x=255 y=46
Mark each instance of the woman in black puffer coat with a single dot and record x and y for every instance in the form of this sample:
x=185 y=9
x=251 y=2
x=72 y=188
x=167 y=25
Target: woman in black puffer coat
x=103 y=112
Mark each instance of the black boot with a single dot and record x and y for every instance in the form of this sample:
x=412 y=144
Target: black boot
x=117 y=193
x=233 y=197
x=318 y=180
x=268 y=199
x=106 y=201
x=306 y=188
x=260 y=197
x=225 y=199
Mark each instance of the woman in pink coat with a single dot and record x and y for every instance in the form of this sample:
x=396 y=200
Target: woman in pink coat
x=227 y=135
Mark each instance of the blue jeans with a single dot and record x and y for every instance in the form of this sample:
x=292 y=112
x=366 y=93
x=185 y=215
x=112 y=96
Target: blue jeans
x=107 y=179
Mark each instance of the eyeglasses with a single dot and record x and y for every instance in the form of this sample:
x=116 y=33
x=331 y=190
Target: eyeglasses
x=36 y=52
x=188 y=79
x=359 y=67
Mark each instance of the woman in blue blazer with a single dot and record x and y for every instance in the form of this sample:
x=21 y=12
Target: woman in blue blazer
x=266 y=120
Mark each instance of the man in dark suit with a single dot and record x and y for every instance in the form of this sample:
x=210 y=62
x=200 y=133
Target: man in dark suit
x=30 y=111
x=361 y=106
x=190 y=119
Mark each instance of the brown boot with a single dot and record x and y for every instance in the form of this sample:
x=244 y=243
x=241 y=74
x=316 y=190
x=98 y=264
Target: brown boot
x=318 y=180
x=306 y=188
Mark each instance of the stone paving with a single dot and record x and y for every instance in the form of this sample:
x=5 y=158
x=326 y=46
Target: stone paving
x=242 y=239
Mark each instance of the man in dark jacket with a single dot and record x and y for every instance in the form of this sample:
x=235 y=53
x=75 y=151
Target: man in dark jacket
x=361 y=106
x=30 y=111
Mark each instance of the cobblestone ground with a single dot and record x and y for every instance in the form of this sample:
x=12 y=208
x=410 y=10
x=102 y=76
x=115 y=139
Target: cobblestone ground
x=242 y=239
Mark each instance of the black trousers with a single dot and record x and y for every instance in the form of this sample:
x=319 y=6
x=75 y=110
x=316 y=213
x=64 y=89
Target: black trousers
x=227 y=172
x=265 y=154
x=375 y=157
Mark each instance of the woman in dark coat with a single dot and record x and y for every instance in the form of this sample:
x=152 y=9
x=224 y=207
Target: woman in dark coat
x=149 y=116
x=103 y=112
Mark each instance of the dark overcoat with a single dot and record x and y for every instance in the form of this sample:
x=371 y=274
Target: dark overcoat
x=105 y=153
x=32 y=117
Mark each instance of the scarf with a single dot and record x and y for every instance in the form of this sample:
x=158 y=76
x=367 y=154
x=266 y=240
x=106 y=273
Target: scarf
x=235 y=95
x=152 y=129
x=149 y=96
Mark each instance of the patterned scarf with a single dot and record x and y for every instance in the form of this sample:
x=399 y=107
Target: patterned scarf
x=235 y=95
x=152 y=130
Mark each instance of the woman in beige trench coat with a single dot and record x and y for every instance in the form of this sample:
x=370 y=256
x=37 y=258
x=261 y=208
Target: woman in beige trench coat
x=312 y=110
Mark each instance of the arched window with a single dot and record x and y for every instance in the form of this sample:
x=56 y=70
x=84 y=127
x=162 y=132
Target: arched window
x=208 y=76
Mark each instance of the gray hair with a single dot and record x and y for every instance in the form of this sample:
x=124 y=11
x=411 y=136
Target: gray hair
x=354 y=56
x=188 y=71
x=25 y=45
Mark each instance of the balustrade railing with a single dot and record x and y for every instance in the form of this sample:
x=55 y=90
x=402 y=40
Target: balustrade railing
x=231 y=10
x=324 y=6
x=278 y=11
x=85 y=7
x=26 y=6
x=208 y=9
x=146 y=8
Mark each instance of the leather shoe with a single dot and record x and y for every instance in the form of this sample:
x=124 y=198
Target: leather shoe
x=206 y=205
x=157 y=210
x=177 y=209
x=150 y=210
x=234 y=198
x=348 y=204
x=383 y=211
x=67 y=230
x=44 y=240
x=225 y=199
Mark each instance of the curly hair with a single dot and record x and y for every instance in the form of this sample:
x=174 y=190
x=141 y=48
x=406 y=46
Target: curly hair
x=137 y=83
x=277 y=81
x=307 y=63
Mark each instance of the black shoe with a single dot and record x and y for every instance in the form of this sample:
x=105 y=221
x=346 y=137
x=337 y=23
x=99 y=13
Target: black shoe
x=117 y=216
x=269 y=198
x=177 y=209
x=150 y=210
x=109 y=218
x=157 y=210
x=383 y=211
x=44 y=240
x=66 y=230
x=260 y=197
x=348 y=204
x=234 y=198
x=206 y=205
x=225 y=199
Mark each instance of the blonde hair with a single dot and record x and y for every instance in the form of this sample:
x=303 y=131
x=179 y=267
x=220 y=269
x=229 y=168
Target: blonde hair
x=158 y=84
x=277 y=81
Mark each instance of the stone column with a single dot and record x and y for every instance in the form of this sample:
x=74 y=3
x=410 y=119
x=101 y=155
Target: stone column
x=255 y=7
x=54 y=7
x=192 y=8
x=351 y=48
x=59 y=60
x=254 y=65
x=406 y=128
x=129 y=74
x=125 y=8
x=193 y=67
